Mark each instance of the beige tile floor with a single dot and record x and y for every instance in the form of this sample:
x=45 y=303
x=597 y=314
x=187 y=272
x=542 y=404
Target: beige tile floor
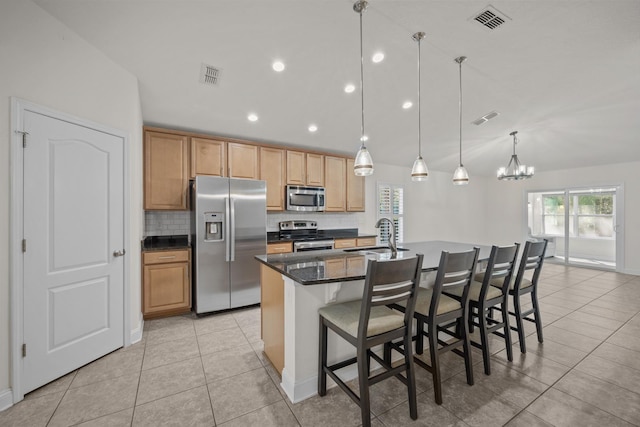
x=210 y=371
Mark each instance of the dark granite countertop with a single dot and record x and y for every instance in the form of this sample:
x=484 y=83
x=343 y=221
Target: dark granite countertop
x=339 y=233
x=160 y=243
x=317 y=267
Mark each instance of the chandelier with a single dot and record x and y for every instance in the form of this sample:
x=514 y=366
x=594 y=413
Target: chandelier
x=515 y=170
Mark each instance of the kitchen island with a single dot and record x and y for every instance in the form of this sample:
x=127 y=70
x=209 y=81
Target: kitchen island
x=294 y=286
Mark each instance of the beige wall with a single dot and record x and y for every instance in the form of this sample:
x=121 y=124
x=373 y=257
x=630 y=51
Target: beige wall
x=434 y=209
x=44 y=62
x=505 y=205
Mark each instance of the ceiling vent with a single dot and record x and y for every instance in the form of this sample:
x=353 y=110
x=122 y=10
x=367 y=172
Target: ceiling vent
x=491 y=18
x=209 y=75
x=485 y=118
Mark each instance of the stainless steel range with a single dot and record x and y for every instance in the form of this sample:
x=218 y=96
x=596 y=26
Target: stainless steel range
x=305 y=236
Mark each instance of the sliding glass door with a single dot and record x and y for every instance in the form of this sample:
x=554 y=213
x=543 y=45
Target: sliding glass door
x=581 y=224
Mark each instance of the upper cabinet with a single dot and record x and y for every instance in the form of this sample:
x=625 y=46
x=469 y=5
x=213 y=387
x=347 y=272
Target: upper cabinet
x=172 y=157
x=315 y=170
x=305 y=169
x=166 y=171
x=272 y=171
x=335 y=185
x=243 y=161
x=355 y=189
x=208 y=157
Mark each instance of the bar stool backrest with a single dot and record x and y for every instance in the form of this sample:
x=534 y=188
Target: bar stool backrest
x=388 y=282
x=532 y=259
x=455 y=271
x=500 y=268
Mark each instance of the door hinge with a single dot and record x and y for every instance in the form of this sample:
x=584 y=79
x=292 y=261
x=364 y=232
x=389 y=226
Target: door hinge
x=24 y=245
x=24 y=350
x=24 y=137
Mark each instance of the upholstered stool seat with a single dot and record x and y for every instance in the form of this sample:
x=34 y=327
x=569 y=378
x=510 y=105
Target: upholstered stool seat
x=346 y=316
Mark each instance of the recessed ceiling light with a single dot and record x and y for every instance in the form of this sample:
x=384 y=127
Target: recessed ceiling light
x=364 y=138
x=349 y=88
x=278 y=66
x=407 y=105
x=377 y=57
x=252 y=117
x=313 y=128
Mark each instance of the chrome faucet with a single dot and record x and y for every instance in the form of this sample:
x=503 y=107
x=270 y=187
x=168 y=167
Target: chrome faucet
x=391 y=237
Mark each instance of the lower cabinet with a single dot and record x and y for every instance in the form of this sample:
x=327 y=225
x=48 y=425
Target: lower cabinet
x=166 y=283
x=272 y=312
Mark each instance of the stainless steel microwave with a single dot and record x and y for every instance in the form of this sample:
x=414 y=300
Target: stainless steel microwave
x=309 y=199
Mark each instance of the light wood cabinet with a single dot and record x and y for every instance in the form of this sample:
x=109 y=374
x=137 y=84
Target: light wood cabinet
x=166 y=284
x=243 y=160
x=279 y=248
x=344 y=243
x=296 y=168
x=315 y=169
x=356 y=266
x=166 y=171
x=272 y=170
x=335 y=268
x=305 y=169
x=208 y=157
x=335 y=186
x=272 y=314
x=366 y=241
x=355 y=189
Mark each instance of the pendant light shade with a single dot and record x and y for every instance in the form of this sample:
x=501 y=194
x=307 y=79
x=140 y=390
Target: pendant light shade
x=419 y=172
x=363 y=164
x=515 y=170
x=460 y=176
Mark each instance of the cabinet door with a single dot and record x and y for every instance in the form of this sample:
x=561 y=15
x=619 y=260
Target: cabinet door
x=355 y=189
x=272 y=171
x=315 y=170
x=344 y=243
x=243 y=160
x=166 y=174
x=279 y=248
x=166 y=289
x=208 y=157
x=296 y=168
x=335 y=194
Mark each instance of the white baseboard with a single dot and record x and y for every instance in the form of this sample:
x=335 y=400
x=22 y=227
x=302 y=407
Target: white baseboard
x=6 y=399
x=136 y=334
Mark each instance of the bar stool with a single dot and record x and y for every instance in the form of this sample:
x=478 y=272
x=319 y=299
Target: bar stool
x=369 y=322
x=532 y=259
x=488 y=292
x=439 y=310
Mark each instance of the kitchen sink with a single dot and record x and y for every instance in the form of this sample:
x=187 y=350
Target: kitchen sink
x=374 y=250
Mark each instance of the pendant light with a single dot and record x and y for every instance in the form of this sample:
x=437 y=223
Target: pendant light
x=515 y=170
x=419 y=172
x=363 y=164
x=460 y=176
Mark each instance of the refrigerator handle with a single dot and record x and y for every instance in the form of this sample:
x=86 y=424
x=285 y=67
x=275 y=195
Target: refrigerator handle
x=232 y=226
x=227 y=231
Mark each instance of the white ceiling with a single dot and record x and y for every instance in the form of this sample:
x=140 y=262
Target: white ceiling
x=565 y=74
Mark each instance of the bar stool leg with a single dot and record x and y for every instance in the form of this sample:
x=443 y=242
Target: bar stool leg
x=484 y=339
x=519 y=323
x=507 y=329
x=363 y=380
x=322 y=359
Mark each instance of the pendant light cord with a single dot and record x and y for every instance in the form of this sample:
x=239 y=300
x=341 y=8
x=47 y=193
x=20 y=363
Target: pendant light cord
x=362 y=6
x=460 y=108
x=419 y=104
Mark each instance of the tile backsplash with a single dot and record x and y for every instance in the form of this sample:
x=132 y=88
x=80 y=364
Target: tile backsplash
x=165 y=223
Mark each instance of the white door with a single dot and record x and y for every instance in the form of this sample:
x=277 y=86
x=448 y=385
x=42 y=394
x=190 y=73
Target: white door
x=73 y=223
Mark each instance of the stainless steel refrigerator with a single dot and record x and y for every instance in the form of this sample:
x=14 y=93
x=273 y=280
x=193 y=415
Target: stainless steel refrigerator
x=228 y=227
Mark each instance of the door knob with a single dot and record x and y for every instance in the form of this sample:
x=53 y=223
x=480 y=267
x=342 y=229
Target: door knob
x=119 y=253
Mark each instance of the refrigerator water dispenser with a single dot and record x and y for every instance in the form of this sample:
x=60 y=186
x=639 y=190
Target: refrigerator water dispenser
x=213 y=226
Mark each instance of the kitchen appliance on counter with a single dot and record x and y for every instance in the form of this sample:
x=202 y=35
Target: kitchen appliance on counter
x=305 y=236
x=228 y=228
x=304 y=199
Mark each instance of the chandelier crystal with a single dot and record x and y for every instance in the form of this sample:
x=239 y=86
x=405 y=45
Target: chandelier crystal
x=515 y=170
